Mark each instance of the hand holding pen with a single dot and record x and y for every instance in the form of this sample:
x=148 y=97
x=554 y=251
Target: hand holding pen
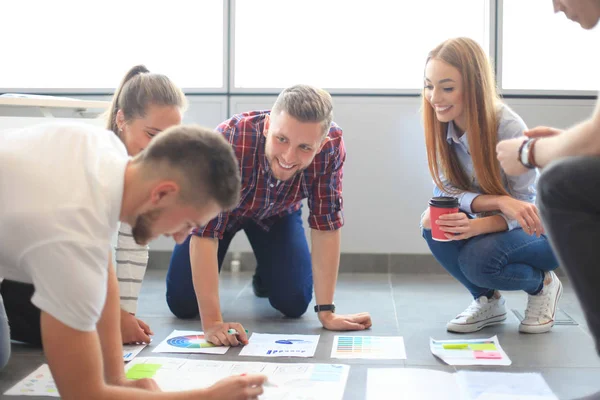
x=225 y=333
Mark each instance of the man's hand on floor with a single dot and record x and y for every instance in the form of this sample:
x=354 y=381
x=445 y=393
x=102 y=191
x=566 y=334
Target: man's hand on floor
x=347 y=322
x=218 y=334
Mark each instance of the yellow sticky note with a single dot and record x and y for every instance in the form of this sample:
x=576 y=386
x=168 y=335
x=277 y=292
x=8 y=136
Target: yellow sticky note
x=139 y=371
x=455 y=346
x=483 y=346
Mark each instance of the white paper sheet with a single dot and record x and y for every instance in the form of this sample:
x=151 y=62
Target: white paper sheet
x=188 y=342
x=38 y=383
x=427 y=384
x=501 y=385
x=470 y=351
x=268 y=345
x=132 y=350
x=372 y=347
x=293 y=381
x=410 y=384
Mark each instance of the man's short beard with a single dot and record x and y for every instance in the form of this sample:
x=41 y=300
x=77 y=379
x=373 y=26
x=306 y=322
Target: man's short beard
x=142 y=229
x=299 y=171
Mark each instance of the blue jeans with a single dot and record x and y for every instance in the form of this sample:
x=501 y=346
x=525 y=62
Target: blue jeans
x=4 y=336
x=283 y=265
x=510 y=260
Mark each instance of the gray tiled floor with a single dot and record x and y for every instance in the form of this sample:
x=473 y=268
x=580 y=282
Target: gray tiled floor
x=413 y=306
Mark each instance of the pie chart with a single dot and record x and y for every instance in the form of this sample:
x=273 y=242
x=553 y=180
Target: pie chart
x=189 y=342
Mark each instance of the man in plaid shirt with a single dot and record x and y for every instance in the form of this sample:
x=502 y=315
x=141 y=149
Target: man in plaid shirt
x=293 y=152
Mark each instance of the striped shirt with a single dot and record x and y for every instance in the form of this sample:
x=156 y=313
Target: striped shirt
x=131 y=263
x=263 y=198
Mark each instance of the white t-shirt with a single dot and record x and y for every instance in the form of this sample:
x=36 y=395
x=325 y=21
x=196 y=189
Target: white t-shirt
x=61 y=188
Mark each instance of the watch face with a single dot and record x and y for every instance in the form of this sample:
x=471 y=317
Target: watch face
x=525 y=155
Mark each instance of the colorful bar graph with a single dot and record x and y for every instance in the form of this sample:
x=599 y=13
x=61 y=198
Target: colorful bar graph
x=391 y=347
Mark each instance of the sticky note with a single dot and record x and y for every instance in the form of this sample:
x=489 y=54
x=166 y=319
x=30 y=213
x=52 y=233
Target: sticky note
x=139 y=371
x=483 y=346
x=454 y=346
x=487 y=355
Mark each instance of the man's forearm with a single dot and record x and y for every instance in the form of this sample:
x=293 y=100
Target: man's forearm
x=75 y=360
x=581 y=140
x=325 y=261
x=205 y=274
x=109 y=331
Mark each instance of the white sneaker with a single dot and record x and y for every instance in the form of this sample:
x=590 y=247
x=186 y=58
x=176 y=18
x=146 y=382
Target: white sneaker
x=481 y=313
x=541 y=308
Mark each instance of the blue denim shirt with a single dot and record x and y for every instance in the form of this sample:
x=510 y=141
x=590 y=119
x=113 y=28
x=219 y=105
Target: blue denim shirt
x=521 y=187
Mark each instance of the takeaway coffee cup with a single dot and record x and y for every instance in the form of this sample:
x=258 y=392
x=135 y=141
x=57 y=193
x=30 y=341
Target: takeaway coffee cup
x=440 y=206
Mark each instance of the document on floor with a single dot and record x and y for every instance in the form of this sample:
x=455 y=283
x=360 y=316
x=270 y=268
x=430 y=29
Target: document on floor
x=38 y=383
x=376 y=347
x=425 y=384
x=268 y=345
x=188 y=342
x=132 y=350
x=470 y=352
x=285 y=381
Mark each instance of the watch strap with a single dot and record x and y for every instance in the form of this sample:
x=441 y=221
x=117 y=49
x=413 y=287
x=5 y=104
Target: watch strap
x=325 y=307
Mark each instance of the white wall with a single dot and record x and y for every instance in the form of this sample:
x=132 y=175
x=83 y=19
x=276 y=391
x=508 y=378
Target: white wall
x=386 y=181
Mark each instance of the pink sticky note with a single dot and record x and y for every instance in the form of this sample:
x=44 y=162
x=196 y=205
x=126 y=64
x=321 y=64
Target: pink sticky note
x=487 y=355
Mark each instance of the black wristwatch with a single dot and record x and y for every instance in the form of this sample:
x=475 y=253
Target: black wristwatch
x=325 y=307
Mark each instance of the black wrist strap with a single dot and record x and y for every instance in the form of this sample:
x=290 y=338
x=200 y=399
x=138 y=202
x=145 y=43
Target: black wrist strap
x=325 y=307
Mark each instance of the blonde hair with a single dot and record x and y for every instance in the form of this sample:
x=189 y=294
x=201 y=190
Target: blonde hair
x=306 y=104
x=481 y=100
x=139 y=89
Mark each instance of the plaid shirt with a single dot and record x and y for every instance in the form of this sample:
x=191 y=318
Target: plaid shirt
x=263 y=199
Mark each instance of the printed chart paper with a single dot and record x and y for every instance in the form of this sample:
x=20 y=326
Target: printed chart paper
x=38 y=383
x=376 y=347
x=268 y=345
x=470 y=352
x=188 y=342
x=426 y=384
x=503 y=386
x=132 y=350
x=288 y=381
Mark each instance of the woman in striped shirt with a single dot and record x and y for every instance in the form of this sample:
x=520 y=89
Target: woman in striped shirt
x=143 y=105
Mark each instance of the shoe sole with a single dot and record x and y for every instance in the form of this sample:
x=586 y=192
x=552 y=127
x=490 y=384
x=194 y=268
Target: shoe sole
x=533 y=329
x=476 y=326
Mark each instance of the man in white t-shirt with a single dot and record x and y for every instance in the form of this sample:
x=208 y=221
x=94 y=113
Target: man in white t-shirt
x=63 y=190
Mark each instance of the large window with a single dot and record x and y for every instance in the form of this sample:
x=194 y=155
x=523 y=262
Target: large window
x=78 y=46
x=346 y=44
x=543 y=51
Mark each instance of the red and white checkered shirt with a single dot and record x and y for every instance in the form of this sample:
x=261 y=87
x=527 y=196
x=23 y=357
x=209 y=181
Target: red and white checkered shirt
x=263 y=199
